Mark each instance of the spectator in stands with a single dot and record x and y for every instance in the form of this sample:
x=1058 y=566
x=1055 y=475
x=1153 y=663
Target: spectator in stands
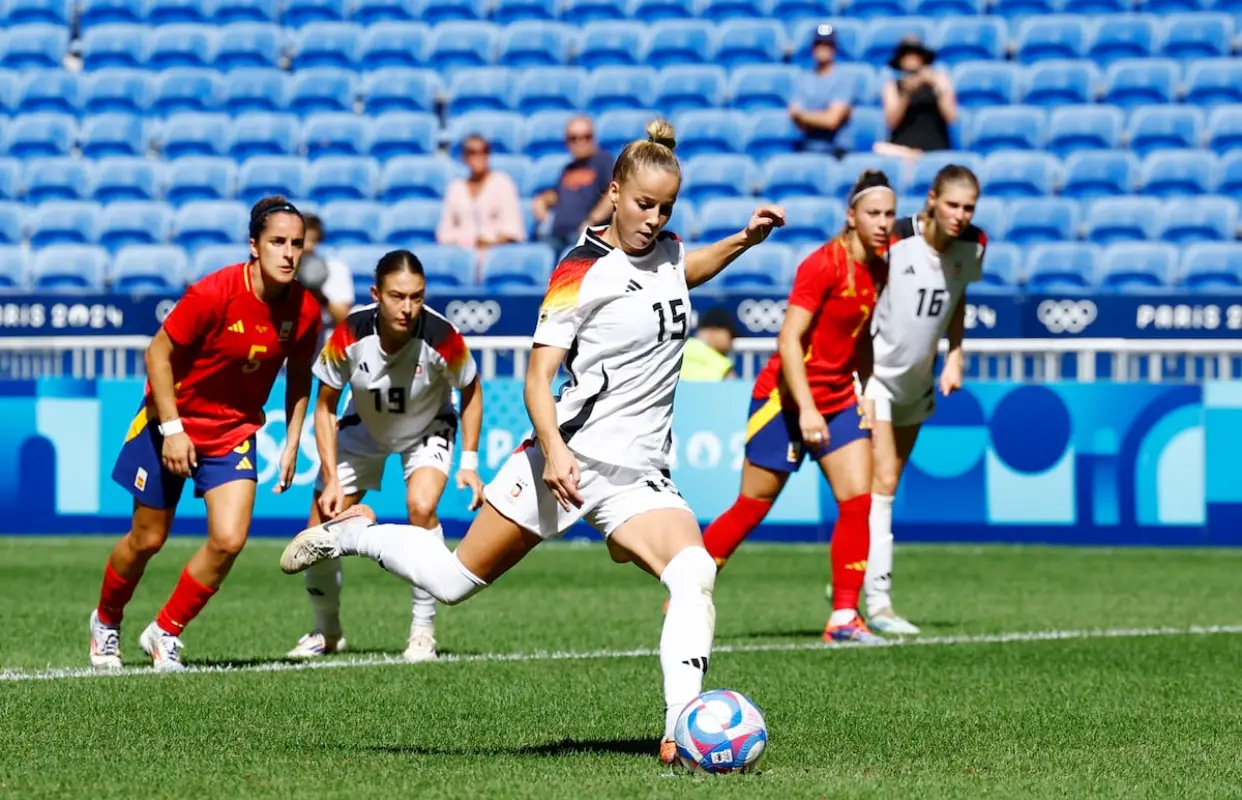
x=919 y=102
x=482 y=209
x=822 y=98
x=581 y=196
x=328 y=278
x=708 y=356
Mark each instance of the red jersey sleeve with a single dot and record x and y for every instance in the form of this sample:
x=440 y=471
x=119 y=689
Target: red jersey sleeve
x=197 y=313
x=813 y=281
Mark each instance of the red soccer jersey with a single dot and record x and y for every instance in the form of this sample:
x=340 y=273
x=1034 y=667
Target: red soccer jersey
x=231 y=346
x=841 y=309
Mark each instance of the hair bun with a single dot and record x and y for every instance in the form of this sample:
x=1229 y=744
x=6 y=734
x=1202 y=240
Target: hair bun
x=661 y=132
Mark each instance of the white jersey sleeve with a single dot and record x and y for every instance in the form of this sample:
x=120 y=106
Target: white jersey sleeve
x=569 y=300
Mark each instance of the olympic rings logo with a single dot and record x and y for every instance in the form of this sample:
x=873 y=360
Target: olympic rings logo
x=1066 y=316
x=762 y=316
x=473 y=316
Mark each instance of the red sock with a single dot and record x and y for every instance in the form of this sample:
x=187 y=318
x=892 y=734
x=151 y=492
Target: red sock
x=724 y=535
x=851 y=540
x=187 y=600
x=114 y=596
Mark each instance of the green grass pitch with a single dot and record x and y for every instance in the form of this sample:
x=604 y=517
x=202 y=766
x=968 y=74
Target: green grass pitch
x=555 y=692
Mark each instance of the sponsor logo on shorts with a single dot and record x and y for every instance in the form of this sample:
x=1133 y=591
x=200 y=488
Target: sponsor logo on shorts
x=140 y=480
x=518 y=486
x=791 y=455
x=244 y=463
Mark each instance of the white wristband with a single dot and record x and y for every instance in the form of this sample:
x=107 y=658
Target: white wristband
x=171 y=427
x=469 y=460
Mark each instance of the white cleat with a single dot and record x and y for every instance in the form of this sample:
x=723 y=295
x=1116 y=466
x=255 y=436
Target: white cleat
x=421 y=647
x=316 y=644
x=105 y=644
x=886 y=621
x=322 y=541
x=163 y=647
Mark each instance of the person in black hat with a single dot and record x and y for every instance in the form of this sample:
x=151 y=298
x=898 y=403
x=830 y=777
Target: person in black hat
x=919 y=102
x=822 y=97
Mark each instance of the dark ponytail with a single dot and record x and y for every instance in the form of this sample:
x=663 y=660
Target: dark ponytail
x=397 y=261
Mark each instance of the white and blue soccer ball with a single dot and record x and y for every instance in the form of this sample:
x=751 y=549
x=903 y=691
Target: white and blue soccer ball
x=719 y=732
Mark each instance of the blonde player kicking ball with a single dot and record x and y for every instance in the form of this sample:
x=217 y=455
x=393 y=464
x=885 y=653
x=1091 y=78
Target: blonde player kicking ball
x=401 y=361
x=616 y=314
x=930 y=262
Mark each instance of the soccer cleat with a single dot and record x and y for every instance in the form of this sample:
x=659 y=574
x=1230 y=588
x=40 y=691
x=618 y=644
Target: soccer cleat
x=668 y=752
x=317 y=644
x=886 y=621
x=163 y=647
x=853 y=631
x=105 y=644
x=421 y=647
x=322 y=541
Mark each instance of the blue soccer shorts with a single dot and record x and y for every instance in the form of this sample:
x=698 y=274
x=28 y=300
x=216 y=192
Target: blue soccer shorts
x=774 y=439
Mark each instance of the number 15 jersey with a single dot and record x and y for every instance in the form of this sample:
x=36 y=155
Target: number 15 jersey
x=622 y=321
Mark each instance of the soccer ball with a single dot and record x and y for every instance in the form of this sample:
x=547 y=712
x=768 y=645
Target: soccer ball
x=721 y=731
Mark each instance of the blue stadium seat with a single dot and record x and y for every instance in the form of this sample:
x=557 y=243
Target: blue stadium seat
x=95 y=13
x=1011 y=128
x=767 y=133
x=10 y=90
x=206 y=222
x=187 y=89
x=35 y=135
x=1094 y=7
x=49 y=12
x=752 y=41
x=982 y=84
x=1059 y=83
x=515 y=166
x=615 y=129
x=1192 y=36
x=585 y=12
x=402 y=133
x=964 y=39
x=708 y=131
x=1210 y=267
x=480 y=89
x=13 y=275
x=512 y=12
x=870 y=11
x=34 y=47
x=545 y=173
x=866 y=86
x=69 y=268
x=1174 y=173
x=707 y=177
x=196 y=178
x=1155 y=128
x=724 y=216
x=264 y=134
x=681 y=41
x=761 y=86
x=1213 y=81
x=322 y=89
x=809 y=220
x=604 y=44
x=400 y=89
x=343 y=178
x=1199 y=219
x=956 y=9
x=1019 y=174
x=408 y=177
x=362 y=260
x=50 y=90
x=183 y=45
x=684 y=221
x=127 y=178
x=116 y=90
x=610 y=88
x=353 y=222
x=435 y=12
x=250 y=89
x=1123 y=219
x=328 y=44
x=517 y=266
x=536 y=44
x=1042 y=219
x=1094 y=174
x=803 y=9
x=925 y=168
x=1121 y=37
x=550 y=88
x=1053 y=36
x=655 y=10
x=299 y=13
x=114 y=135
x=62 y=178
x=1136 y=82
x=114 y=45
x=395 y=44
x=248 y=44
x=767 y=268
x=447 y=267
x=841 y=181
x=134 y=222
x=799 y=174
x=196 y=135
x=12 y=223
x=1062 y=267
x=463 y=44
x=726 y=10
x=1230 y=175
x=1003 y=268
x=10 y=178
x=261 y=176
x=64 y=222
x=226 y=12
x=208 y=258
x=1018 y=10
x=991 y=216
x=862 y=130
x=502 y=129
x=884 y=35
x=1224 y=129
x=141 y=268
x=545 y=133
x=691 y=86
x=176 y=12
x=1138 y=265
x=335 y=133
x=1086 y=127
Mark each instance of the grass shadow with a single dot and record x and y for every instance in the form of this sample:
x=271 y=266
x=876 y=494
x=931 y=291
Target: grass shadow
x=647 y=748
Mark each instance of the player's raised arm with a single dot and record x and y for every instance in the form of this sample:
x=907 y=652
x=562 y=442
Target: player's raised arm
x=707 y=262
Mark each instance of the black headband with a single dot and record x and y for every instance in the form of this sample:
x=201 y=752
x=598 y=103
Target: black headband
x=256 y=220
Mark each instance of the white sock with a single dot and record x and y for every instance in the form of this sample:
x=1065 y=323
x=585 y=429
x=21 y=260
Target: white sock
x=879 y=579
x=689 y=626
x=415 y=554
x=323 y=587
x=424 y=615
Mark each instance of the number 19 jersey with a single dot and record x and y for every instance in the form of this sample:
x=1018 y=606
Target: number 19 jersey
x=622 y=321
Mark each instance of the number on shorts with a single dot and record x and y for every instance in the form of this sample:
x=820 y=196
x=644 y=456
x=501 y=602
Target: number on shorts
x=677 y=316
x=396 y=400
x=663 y=485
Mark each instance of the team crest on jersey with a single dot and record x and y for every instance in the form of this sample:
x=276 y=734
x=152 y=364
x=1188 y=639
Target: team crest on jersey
x=286 y=328
x=261 y=328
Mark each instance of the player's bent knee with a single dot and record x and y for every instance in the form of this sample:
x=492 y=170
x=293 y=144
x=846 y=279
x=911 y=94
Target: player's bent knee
x=692 y=573
x=422 y=513
x=617 y=553
x=228 y=545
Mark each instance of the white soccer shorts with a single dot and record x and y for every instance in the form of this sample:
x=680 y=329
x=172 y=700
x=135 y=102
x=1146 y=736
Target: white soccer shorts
x=913 y=407
x=360 y=460
x=611 y=495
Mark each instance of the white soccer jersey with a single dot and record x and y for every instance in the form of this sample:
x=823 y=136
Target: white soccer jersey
x=396 y=397
x=917 y=303
x=624 y=321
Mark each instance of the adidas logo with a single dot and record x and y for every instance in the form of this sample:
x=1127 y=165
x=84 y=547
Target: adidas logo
x=364 y=368
x=857 y=566
x=697 y=663
x=633 y=286
x=909 y=270
x=245 y=460
x=237 y=327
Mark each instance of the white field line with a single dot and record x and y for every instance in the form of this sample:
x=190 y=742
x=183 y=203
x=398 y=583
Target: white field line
x=645 y=652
